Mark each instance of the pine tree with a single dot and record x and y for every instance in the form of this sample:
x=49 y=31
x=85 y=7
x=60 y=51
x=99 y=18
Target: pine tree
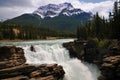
x=12 y=34
x=97 y=25
x=116 y=20
x=78 y=33
x=1 y=35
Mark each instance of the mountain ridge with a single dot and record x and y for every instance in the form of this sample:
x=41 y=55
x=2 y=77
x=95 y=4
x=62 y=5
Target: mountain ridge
x=53 y=10
x=58 y=17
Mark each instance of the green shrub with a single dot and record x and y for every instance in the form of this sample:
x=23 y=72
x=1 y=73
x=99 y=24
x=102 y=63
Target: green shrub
x=95 y=41
x=100 y=43
x=104 y=43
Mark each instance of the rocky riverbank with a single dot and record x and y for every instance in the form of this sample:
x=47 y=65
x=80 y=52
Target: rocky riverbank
x=13 y=67
x=106 y=58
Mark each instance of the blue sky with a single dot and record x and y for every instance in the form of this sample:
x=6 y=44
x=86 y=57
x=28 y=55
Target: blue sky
x=12 y=8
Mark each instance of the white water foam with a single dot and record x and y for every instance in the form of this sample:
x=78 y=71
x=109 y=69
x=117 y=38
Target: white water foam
x=52 y=51
x=56 y=53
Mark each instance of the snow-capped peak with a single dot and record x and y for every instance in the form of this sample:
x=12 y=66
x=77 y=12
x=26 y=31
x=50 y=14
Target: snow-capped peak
x=52 y=10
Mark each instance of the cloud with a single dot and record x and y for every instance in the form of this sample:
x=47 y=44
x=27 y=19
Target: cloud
x=11 y=3
x=102 y=7
x=10 y=12
x=13 y=8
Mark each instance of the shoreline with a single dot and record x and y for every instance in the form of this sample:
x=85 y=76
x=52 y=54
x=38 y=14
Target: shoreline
x=20 y=40
x=14 y=40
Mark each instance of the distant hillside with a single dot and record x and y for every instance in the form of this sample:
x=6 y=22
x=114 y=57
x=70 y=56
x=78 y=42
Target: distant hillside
x=11 y=32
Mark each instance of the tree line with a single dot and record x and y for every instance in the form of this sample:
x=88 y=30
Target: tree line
x=102 y=28
x=13 y=31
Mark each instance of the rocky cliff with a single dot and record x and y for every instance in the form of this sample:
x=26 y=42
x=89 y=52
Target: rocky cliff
x=13 y=67
x=107 y=59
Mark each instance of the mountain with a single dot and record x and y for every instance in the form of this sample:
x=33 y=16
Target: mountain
x=59 y=17
x=52 y=10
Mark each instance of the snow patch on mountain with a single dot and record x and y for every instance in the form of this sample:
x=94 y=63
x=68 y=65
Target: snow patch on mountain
x=53 y=10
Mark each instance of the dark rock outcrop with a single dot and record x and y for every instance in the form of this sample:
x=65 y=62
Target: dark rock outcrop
x=13 y=67
x=76 y=48
x=107 y=59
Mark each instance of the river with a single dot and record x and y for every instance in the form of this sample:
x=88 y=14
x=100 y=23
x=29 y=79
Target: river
x=52 y=51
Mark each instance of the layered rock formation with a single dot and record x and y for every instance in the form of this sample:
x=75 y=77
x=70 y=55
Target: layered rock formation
x=111 y=68
x=13 y=67
x=11 y=56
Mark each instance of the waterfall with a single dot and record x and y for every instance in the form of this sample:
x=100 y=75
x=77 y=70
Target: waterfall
x=56 y=53
x=52 y=51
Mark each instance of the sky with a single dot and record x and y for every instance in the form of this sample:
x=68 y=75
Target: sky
x=12 y=8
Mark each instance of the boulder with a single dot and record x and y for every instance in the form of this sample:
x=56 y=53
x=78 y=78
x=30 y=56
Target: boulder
x=47 y=70
x=32 y=48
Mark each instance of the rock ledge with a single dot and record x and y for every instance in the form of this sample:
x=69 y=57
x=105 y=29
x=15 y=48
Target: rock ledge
x=13 y=67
